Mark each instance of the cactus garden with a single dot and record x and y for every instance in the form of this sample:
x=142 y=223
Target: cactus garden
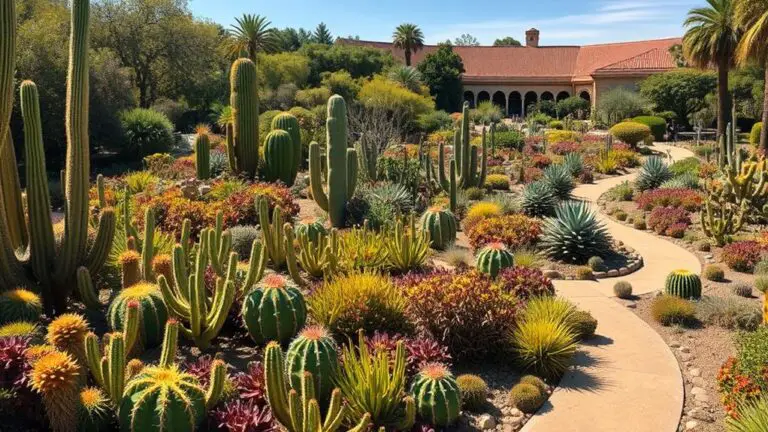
x=290 y=244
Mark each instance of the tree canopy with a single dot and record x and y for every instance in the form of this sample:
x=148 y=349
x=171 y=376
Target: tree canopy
x=506 y=41
x=441 y=72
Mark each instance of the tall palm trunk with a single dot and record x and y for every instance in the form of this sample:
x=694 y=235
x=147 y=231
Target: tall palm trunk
x=764 y=131
x=407 y=56
x=723 y=97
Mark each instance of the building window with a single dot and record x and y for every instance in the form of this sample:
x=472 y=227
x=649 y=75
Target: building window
x=469 y=97
x=547 y=96
x=563 y=95
x=483 y=96
x=500 y=100
x=585 y=95
x=531 y=98
x=515 y=105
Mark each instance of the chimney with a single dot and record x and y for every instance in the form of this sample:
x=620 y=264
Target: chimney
x=532 y=38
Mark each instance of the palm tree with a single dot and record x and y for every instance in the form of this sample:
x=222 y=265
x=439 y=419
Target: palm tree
x=712 y=37
x=753 y=15
x=409 y=38
x=251 y=34
x=407 y=76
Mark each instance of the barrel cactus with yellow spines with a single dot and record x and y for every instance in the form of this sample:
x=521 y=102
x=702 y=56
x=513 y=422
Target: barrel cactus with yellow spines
x=94 y=413
x=202 y=148
x=243 y=132
x=494 y=258
x=20 y=305
x=56 y=376
x=289 y=123
x=313 y=351
x=684 y=284
x=275 y=310
x=154 y=313
x=438 y=398
x=440 y=223
x=67 y=333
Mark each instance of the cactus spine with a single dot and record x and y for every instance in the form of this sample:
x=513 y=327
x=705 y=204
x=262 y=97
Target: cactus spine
x=289 y=123
x=243 y=132
x=465 y=157
x=53 y=271
x=299 y=411
x=341 y=164
x=683 y=284
x=274 y=311
x=202 y=148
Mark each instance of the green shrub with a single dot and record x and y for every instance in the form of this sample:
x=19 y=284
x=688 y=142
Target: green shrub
x=761 y=268
x=474 y=391
x=147 y=132
x=754 y=135
x=583 y=324
x=639 y=224
x=534 y=381
x=242 y=239
x=556 y=124
x=657 y=125
x=434 y=120
x=714 y=273
x=741 y=290
x=474 y=193
x=704 y=246
x=497 y=182
x=596 y=263
x=509 y=139
x=584 y=273
x=729 y=312
x=621 y=192
x=671 y=310
x=689 y=165
x=631 y=132
x=527 y=398
x=621 y=215
x=761 y=284
x=752 y=351
x=622 y=289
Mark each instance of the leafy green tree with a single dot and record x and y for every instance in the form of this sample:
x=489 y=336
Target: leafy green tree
x=291 y=39
x=507 y=41
x=282 y=68
x=466 y=39
x=441 y=72
x=711 y=39
x=753 y=15
x=618 y=104
x=574 y=106
x=358 y=61
x=384 y=94
x=250 y=35
x=322 y=35
x=681 y=91
x=746 y=84
x=341 y=83
x=409 y=38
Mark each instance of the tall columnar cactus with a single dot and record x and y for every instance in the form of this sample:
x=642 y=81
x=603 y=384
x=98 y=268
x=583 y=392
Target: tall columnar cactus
x=721 y=219
x=202 y=148
x=313 y=351
x=243 y=132
x=341 y=165
x=108 y=368
x=494 y=258
x=683 y=284
x=465 y=157
x=299 y=410
x=42 y=264
x=438 y=398
x=272 y=233
x=289 y=123
x=275 y=310
x=441 y=226
x=279 y=163
x=56 y=376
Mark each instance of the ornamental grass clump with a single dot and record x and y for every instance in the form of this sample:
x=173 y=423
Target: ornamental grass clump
x=465 y=311
x=670 y=310
x=574 y=234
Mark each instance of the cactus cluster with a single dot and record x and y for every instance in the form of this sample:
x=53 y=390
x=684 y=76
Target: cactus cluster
x=282 y=149
x=43 y=264
x=274 y=311
x=683 y=284
x=406 y=246
x=341 y=164
x=318 y=257
x=464 y=160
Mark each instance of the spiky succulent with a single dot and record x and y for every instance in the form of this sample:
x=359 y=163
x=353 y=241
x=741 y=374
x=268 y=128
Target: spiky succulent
x=559 y=179
x=13 y=363
x=538 y=199
x=20 y=305
x=56 y=376
x=574 y=163
x=243 y=416
x=683 y=181
x=574 y=234
x=653 y=173
x=94 y=410
x=20 y=328
x=67 y=334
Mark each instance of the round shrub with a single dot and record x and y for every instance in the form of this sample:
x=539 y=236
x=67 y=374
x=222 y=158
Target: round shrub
x=365 y=301
x=534 y=381
x=670 y=310
x=465 y=311
x=620 y=215
x=669 y=221
x=596 y=263
x=714 y=273
x=761 y=284
x=525 y=283
x=631 y=132
x=622 y=289
x=754 y=134
x=704 y=246
x=509 y=139
x=761 y=268
x=474 y=391
x=527 y=398
x=544 y=340
x=742 y=290
x=583 y=324
x=742 y=256
x=146 y=132
x=515 y=231
x=497 y=182
x=480 y=211
x=474 y=193
x=657 y=125
x=242 y=240
x=584 y=273
x=639 y=224
x=556 y=124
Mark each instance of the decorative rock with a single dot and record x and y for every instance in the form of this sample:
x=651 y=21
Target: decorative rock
x=684 y=349
x=702 y=397
x=699 y=382
x=674 y=344
x=613 y=273
x=697 y=391
x=516 y=413
x=623 y=271
x=686 y=357
x=508 y=428
x=631 y=305
x=700 y=414
x=486 y=421
x=599 y=275
x=696 y=372
x=689 y=425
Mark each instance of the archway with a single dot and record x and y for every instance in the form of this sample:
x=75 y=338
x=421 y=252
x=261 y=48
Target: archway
x=483 y=96
x=563 y=95
x=547 y=96
x=500 y=100
x=515 y=105
x=530 y=99
x=469 y=97
x=585 y=95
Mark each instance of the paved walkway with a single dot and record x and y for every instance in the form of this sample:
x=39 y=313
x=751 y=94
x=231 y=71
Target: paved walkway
x=625 y=379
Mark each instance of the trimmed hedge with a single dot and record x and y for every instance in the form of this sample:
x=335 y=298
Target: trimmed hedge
x=754 y=135
x=657 y=124
x=631 y=132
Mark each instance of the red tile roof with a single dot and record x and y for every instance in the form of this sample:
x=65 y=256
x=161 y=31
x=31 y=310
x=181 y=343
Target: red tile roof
x=485 y=63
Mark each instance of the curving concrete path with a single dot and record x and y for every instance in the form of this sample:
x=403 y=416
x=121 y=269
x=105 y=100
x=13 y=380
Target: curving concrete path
x=625 y=379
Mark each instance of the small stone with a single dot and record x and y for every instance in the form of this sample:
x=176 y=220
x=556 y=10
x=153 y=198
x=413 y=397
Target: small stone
x=689 y=425
x=684 y=349
x=698 y=382
x=486 y=421
x=686 y=357
x=631 y=305
x=623 y=271
x=700 y=414
x=697 y=390
x=695 y=372
x=508 y=428
x=702 y=397
x=516 y=413
x=709 y=256
x=613 y=273
x=674 y=344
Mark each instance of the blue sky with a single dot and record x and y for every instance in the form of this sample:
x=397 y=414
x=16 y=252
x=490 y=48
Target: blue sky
x=562 y=22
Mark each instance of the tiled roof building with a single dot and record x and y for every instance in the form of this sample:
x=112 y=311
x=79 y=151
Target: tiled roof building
x=516 y=77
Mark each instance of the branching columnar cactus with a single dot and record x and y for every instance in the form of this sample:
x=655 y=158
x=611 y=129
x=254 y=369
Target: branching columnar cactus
x=243 y=132
x=494 y=258
x=299 y=410
x=313 y=351
x=465 y=156
x=153 y=315
x=438 y=398
x=289 y=123
x=202 y=148
x=721 y=219
x=42 y=264
x=683 y=284
x=108 y=368
x=440 y=223
x=341 y=164
x=274 y=311
x=56 y=376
